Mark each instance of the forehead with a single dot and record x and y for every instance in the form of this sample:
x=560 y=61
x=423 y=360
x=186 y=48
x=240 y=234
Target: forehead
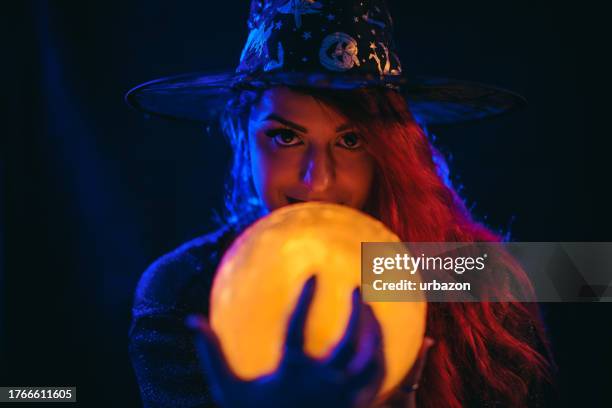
x=297 y=107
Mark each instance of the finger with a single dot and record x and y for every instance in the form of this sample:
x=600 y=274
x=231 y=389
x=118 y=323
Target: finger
x=294 y=341
x=365 y=386
x=428 y=343
x=370 y=341
x=346 y=348
x=414 y=377
x=369 y=364
x=210 y=354
x=372 y=374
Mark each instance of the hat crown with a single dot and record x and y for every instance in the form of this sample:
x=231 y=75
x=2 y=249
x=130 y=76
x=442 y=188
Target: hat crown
x=327 y=36
x=326 y=44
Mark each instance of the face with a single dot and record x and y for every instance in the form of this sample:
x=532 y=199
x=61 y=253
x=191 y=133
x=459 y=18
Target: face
x=303 y=150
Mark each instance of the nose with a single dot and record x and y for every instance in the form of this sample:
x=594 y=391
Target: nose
x=318 y=170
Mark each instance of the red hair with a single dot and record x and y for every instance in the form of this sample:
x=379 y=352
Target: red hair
x=485 y=349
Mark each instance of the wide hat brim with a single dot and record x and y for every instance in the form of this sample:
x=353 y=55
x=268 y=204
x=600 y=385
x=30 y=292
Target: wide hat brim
x=202 y=97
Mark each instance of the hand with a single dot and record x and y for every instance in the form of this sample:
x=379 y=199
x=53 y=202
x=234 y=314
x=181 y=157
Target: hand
x=349 y=377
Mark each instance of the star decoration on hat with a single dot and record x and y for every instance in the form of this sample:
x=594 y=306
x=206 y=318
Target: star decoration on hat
x=307 y=35
x=299 y=7
x=366 y=17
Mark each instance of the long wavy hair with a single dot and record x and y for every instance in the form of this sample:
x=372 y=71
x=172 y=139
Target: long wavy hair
x=484 y=352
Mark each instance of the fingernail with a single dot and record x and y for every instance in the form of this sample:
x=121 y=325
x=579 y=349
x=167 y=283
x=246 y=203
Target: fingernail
x=356 y=297
x=311 y=281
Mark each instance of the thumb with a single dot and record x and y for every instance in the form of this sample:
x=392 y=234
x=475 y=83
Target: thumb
x=414 y=377
x=210 y=354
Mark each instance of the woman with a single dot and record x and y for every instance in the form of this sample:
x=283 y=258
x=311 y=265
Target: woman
x=326 y=122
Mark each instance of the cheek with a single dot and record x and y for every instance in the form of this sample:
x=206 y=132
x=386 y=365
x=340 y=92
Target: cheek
x=356 y=178
x=270 y=173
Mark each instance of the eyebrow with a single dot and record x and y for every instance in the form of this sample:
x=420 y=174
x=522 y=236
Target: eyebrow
x=276 y=117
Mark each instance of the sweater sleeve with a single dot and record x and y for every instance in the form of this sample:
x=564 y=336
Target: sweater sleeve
x=161 y=347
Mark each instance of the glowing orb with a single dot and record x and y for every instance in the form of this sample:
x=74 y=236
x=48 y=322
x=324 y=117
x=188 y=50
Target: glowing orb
x=260 y=277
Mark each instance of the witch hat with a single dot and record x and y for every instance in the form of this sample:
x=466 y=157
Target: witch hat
x=338 y=44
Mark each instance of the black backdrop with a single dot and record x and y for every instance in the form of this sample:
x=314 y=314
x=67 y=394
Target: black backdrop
x=92 y=192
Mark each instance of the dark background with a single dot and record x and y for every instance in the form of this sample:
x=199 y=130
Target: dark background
x=91 y=192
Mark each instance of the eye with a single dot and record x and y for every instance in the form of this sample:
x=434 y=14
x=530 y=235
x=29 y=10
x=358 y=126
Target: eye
x=350 y=141
x=284 y=137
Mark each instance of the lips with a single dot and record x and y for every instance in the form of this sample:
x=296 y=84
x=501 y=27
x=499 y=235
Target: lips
x=292 y=200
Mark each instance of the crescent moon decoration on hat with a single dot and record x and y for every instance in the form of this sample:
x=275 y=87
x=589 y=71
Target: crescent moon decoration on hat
x=344 y=54
x=336 y=44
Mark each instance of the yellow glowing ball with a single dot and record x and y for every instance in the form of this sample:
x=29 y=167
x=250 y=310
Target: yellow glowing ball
x=260 y=277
